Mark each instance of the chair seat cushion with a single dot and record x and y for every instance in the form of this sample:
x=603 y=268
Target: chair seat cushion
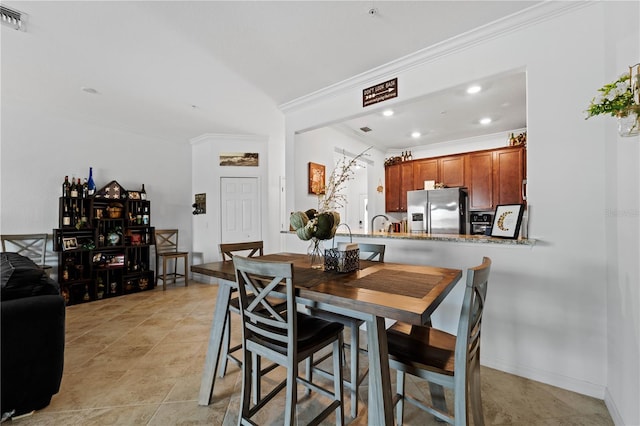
x=311 y=331
x=429 y=347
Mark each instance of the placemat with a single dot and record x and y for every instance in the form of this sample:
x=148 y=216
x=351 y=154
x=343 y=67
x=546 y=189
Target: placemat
x=390 y=280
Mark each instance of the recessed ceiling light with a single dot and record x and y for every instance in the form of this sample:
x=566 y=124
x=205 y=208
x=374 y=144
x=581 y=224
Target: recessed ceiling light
x=387 y=112
x=485 y=120
x=416 y=135
x=89 y=90
x=473 y=89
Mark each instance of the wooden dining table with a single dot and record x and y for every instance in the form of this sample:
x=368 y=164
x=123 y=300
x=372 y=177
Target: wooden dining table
x=408 y=293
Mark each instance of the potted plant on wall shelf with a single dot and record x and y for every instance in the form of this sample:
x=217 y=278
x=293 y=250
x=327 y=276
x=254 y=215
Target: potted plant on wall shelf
x=621 y=99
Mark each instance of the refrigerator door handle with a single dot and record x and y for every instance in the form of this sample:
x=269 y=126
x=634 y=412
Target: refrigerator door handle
x=428 y=218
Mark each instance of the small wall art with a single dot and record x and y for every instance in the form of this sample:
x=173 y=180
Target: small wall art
x=242 y=159
x=506 y=221
x=316 y=178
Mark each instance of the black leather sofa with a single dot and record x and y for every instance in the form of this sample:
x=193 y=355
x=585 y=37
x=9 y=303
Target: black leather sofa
x=32 y=339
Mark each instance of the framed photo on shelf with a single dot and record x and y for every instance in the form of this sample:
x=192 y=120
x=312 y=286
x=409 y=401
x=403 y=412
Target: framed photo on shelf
x=134 y=195
x=316 y=178
x=507 y=220
x=70 y=243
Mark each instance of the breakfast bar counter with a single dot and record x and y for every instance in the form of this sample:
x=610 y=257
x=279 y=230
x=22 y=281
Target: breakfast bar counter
x=474 y=239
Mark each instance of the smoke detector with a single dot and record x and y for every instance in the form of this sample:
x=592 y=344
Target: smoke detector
x=13 y=18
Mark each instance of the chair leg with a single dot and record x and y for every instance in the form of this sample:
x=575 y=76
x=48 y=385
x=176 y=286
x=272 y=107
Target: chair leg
x=308 y=373
x=400 y=392
x=475 y=395
x=355 y=369
x=257 y=372
x=338 y=347
x=245 y=400
x=164 y=273
x=292 y=395
x=226 y=344
x=186 y=270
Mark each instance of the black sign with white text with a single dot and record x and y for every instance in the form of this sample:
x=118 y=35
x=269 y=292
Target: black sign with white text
x=380 y=92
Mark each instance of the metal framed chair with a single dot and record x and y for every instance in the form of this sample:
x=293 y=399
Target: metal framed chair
x=443 y=359
x=33 y=246
x=285 y=338
x=166 y=242
x=367 y=252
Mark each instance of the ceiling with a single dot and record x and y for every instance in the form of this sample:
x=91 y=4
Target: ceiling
x=155 y=65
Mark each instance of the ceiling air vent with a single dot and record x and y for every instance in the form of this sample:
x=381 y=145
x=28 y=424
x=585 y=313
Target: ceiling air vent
x=12 y=18
x=365 y=129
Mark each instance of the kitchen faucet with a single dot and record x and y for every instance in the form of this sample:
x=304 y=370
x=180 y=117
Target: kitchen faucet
x=374 y=218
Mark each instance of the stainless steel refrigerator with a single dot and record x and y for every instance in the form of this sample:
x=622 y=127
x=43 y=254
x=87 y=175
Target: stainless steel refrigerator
x=439 y=211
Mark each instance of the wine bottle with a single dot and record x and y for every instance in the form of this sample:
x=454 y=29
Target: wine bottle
x=73 y=192
x=145 y=216
x=66 y=219
x=91 y=186
x=66 y=187
x=85 y=189
x=143 y=193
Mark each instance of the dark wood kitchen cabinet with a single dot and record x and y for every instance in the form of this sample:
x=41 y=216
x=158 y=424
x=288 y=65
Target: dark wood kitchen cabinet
x=399 y=180
x=509 y=174
x=424 y=169
x=493 y=177
x=451 y=171
x=480 y=180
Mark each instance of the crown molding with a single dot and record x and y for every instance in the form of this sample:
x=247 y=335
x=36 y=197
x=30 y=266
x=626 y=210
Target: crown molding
x=499 y=28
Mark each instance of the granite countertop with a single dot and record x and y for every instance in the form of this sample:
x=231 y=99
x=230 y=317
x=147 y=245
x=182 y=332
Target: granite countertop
x=475 y=239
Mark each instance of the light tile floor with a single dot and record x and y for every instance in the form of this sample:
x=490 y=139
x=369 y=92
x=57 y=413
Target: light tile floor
x=138 y=359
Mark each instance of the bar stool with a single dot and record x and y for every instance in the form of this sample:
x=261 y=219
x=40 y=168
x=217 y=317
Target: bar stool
x=166 y=242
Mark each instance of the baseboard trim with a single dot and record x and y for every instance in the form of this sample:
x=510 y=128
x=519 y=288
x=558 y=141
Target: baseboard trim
x=549 y=378
x=613 y=408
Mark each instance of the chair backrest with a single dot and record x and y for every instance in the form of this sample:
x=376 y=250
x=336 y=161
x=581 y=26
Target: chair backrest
x=166 y=240
x=33 y=246
x=268 y=282
x=373 y=251
x=253 y=247
x=468 y=337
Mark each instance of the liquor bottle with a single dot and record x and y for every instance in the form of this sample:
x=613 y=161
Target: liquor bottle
x=66 y=219
x=85 y=189
x=73 y=192
x=139 y=216
x=143 y=193
x=79 y=188
x=66 y=187
x=410 y=156
x=91 y=186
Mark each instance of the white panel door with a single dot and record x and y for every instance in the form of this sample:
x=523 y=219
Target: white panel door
x=240 y=210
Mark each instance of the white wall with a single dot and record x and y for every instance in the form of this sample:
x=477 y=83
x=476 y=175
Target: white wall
x=546 y=314
x=622 y=220
x=39 y=149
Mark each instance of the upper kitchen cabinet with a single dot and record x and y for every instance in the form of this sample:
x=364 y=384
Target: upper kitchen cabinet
x=451 y=171
x=399 y=180
x=424 y=169
x=492 y=177
x=496 y=177
x=509 y=171
x=480 y=180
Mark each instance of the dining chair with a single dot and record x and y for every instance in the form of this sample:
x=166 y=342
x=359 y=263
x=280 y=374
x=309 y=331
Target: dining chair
x=166 y=242
x=227 y=251
x=33 y=246
x=371 y=251
x=444 y=359
x=367 y=252
x=286 y=338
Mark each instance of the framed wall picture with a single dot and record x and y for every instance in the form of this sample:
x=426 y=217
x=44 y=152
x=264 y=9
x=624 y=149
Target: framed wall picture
x=243 y=159
x=316 y=178
x=506 y=220
x=69 y=243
